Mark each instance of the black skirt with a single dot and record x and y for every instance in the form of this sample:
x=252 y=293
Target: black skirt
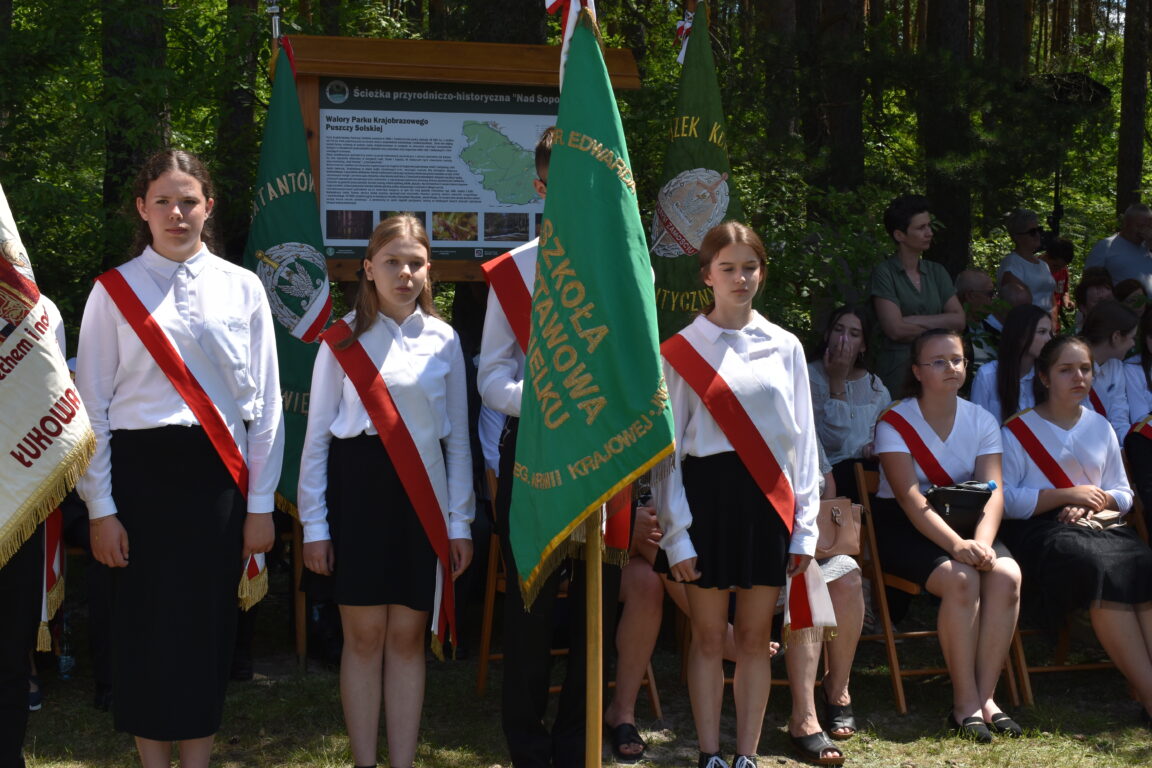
x=383 y=556
x=904 y=551
x=739 y=538
x=1070 y=567
x=174 y=618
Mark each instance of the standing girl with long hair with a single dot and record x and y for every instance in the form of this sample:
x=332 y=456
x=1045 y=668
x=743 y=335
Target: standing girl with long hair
x=386 y=485
x=722 y=529
x=185 y=472
x=936 y=438
x=1004 y=386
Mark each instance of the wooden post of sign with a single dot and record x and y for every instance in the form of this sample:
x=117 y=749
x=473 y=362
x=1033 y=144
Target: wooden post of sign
x=594 y=634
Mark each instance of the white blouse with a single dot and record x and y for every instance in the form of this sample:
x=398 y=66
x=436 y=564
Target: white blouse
x=1110 y=385
x=845 y=427
x=1136 y=390
x=1088 y=453
x=1037 y=276
x=974 y=433
x=122 y=387
x=500 y=369
x=768 y=349
x=335 y=410
x=986 y=394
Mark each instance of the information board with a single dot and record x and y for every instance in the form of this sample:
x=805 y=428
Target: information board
x=459 y=156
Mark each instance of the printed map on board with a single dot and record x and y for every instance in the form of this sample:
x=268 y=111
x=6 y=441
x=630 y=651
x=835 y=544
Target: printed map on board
x=505 y=168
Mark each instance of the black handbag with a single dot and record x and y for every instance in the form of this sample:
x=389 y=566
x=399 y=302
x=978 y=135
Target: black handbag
x=961 y=505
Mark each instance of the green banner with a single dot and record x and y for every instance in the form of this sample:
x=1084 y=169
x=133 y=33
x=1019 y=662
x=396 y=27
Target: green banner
x=594 y=414
x=697 y=193
x=284 y=249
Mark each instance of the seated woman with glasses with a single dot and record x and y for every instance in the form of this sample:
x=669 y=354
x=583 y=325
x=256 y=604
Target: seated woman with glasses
x=936 y=438
x=1024 y=264
x=1004 y=386
x=1062 y=468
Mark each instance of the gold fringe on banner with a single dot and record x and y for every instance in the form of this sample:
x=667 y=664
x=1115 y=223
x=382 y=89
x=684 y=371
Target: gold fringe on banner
x=562 y=546
x=55 y=597
x=44 y=638
x=46 y=498
x=287 y=507
x=438 y=647
x=806 y=636
x=252 y=591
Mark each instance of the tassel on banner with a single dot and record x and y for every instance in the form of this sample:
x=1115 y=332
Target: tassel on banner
x=253 y=583
x=44 y=638
x=808 y=613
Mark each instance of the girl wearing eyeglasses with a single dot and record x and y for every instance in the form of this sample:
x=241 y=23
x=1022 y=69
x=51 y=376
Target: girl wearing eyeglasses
x=1004 y=386
x=1024 y=264
x=936 y=434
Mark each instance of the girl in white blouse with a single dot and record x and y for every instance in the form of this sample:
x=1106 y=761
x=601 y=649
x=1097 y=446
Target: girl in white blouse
x=975 y=578
x=1062 y=466
x=1110 y=330
x=720 y=528
x=361 y=525
x=158 y=484
x=846 y=398
x=1004 y=386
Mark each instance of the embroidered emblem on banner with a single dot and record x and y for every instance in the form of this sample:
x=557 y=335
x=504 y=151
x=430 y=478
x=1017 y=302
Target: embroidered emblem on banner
x=294 y=275
x=690 y=204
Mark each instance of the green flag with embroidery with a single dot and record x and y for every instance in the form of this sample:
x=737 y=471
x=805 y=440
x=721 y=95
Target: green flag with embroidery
x=594 y=412
x=285 y=245
x=697 y=193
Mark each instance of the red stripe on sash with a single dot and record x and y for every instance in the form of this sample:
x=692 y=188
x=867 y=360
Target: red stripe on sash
x=53 y=538
x=920 y=453
x=1038 y=453
x=618 y=529
x=1097 y=403
x=734 y=421
x=318 y=324
x=181 y=378
x=401 y=448
x=1143 y=427
x=515 y=299
x=799 y=606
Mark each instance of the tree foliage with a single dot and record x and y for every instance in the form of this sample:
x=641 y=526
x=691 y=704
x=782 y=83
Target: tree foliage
x=835 y=107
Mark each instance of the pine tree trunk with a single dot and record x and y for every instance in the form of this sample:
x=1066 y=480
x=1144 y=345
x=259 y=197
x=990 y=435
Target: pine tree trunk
x=135 y=110
x=1133 y=103
x=843 y=83
x=945 y=133
x=775 y=35
x=237 y=149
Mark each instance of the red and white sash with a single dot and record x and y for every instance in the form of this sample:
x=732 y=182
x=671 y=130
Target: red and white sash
x=512 y=276
x=1143 y=427
x=153 y=316
x=1097 y=403
x=420 y=466
x=1032 y=444
x=920 y=451
x=53 y=582
x=716 y=373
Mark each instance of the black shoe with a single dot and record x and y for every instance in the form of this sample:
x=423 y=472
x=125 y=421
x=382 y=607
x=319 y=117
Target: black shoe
x=972 y=728
x=711 y=761
x=1003 y=725
x=744 y=761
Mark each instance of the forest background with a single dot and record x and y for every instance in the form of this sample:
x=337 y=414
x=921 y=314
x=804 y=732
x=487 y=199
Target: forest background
x=834 y=107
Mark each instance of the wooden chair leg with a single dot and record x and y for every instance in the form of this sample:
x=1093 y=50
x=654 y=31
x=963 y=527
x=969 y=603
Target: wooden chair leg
x=1022 y=669
x=653 y=694
x=489 y=610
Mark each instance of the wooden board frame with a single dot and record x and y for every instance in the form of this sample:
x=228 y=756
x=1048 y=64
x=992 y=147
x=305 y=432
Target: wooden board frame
x=427 y=61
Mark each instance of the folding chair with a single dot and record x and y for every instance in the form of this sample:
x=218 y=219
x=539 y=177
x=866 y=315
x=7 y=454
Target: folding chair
x=867 y=482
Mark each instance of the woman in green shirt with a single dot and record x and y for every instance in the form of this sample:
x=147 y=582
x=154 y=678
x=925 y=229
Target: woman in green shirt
x=909 y=294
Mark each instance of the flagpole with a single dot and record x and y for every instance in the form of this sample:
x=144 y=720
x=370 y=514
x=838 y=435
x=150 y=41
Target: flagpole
x=273 y=10
x=594 y=634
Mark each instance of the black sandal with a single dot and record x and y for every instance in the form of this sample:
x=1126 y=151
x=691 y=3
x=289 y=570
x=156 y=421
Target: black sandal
x=972 y=728
x=812 y=747
x=839 y=717
x=623 y=734
x=1003 y=725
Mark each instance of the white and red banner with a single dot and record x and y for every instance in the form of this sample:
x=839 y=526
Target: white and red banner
x=45 y=436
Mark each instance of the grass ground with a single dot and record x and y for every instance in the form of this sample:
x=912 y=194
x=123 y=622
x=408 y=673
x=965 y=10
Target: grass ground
x=292 y=718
